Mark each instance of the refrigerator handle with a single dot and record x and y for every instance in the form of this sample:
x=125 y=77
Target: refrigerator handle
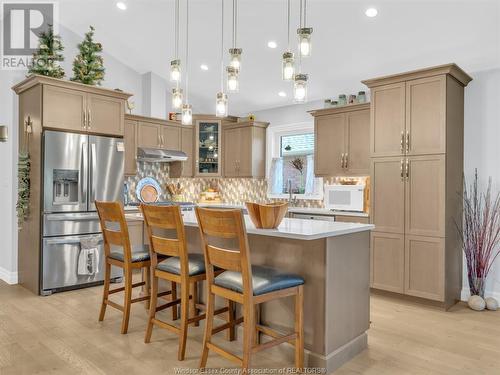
x=93 y=166
x=84 y=173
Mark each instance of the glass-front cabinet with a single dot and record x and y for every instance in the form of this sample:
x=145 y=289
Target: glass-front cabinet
x=208 y=141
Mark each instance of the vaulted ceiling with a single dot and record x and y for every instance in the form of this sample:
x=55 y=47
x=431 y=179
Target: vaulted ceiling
x=347 y=45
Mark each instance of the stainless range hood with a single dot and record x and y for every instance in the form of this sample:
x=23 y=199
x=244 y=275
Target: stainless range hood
x=156 y=155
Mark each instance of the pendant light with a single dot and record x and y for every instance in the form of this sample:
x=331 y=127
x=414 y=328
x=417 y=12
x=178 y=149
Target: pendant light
x=300 y=88
x=233 y=84
x=288 y=62
x=304 y=32
x=187 y=110
x=221 y=105
x=176 y=98
x=175 y=65
x=234 y=52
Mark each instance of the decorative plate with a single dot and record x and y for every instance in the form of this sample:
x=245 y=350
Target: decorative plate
x=148 y=190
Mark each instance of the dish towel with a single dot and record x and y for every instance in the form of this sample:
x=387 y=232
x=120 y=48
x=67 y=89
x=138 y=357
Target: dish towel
x=88 y=259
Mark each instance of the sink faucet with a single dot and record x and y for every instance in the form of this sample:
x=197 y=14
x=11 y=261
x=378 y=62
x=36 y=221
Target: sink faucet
x=292 y=201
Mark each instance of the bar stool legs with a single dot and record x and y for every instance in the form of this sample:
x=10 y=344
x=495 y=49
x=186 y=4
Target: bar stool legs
x=127 y=299
x=105 y=293
x=299 y=328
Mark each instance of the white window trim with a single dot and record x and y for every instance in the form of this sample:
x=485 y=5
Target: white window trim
x=273 y=150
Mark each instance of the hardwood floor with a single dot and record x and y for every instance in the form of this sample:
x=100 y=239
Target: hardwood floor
x=60 y=334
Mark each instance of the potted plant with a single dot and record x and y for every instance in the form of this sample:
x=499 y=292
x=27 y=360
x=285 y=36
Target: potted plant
x=298 y=164
x=480 y=235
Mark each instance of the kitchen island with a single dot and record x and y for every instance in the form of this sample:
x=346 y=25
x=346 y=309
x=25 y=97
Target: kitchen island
x=334 y=260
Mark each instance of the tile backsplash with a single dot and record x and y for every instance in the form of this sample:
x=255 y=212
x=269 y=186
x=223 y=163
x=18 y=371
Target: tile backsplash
x=232 y=190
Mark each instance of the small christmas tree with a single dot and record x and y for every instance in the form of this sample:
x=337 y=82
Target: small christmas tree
x=88 y=66
x=48 y=56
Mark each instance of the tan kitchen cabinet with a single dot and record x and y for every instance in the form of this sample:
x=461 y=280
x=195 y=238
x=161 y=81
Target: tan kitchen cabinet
x=424 y=265
x=387 y=120
x=171 y=137
x=352 y=219
x=388 y=194
x=416 y=148
x=105 y=114
x=387 y=261
x=341 y=137
x=426 y=116
x=149 y=135
x=244 y=147
x=64 y=108
x=130 y=142
x=76 y=107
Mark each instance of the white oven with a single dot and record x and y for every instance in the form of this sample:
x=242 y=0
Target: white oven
x=345 y=197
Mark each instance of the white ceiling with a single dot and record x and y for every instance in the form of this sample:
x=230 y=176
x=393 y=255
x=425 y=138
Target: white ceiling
x=347 y=45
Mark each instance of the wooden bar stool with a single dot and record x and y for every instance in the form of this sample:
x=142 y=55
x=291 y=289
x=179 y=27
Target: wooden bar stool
x=115 y=232
x=244 y=284
x=180 y=267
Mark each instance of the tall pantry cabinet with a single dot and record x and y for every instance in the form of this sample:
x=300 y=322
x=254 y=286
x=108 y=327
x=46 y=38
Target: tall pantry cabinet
x=416 y=151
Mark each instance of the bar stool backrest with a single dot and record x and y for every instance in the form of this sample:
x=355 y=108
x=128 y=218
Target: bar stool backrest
x=114 y=228
x=160 y=220
x=225 y=224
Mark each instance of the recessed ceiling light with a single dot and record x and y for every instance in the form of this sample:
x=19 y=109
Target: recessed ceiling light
x=272 y=44
x=371 y=12
x=121 y=5
x=204 y=67
x=282 y=94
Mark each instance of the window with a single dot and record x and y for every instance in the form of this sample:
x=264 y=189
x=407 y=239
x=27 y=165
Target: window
x=294 y=152
x=290 y=151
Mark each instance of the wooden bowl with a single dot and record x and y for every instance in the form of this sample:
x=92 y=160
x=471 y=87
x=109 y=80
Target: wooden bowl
x=267 y=216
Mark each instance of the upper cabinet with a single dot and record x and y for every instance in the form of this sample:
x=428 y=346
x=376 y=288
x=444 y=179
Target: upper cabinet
x=207 y=148
x=158 y=133
x=187 y=146
x=342 y=137
x=130 y=142
x=244 y=148
x=76 y=107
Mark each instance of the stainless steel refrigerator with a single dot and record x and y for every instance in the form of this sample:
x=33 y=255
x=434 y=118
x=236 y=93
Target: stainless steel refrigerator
x=77 y=170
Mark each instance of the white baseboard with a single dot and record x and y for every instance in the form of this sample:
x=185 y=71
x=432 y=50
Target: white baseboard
x=466 y=294
x=7 y=276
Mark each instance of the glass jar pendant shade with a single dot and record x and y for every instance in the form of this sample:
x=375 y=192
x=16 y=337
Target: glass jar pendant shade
x=300 y=88
x=288 y=66
x=304 y=34
x=177 y=98
x=187 y=114
x=221 y=109
x=175 y=70
x=233 y=84
x=235 y=60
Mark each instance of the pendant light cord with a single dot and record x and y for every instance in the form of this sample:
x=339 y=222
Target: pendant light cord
x=222 y=49
x=305 y=12
x=300 y=12
x=187 y=50
x=300 y=25
x=288 y=25
x=234 y=23
x=177 y=29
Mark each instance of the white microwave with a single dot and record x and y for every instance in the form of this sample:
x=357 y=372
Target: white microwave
x=345 y=197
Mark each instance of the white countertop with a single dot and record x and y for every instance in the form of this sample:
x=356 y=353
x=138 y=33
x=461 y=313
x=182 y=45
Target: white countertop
x=289 y=228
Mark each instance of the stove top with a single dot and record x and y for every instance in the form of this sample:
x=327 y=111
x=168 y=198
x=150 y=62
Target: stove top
x=184 y=205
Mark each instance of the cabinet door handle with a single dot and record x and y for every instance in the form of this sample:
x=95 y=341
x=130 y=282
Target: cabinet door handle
x=407 y=169
x=89 y=119
x=407 y=141
x=84 y=119
x=346 y=161
x=402 y=170
x=342 y=161
x=402 y=145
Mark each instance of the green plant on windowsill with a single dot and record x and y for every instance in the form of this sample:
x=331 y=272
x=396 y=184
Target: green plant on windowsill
x=298 y=164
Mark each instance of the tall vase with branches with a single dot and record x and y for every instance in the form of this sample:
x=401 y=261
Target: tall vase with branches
x=480 y=233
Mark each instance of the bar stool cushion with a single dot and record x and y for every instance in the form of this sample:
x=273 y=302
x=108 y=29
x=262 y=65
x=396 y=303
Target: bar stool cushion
x=265 y=280
x=140 y=253
x=196 y=265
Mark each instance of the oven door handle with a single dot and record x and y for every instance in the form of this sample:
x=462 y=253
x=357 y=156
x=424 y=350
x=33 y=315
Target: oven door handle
x=67 y=241
x=72 y=217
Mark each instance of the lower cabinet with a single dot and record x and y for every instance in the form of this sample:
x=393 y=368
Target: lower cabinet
x=387 y=261
x=411 y=265
x=424 y=265
x=352 y=219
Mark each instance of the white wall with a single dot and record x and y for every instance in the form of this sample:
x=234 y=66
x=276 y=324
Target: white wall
x=155 y=96
x=482 y=139
x=482 y=151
